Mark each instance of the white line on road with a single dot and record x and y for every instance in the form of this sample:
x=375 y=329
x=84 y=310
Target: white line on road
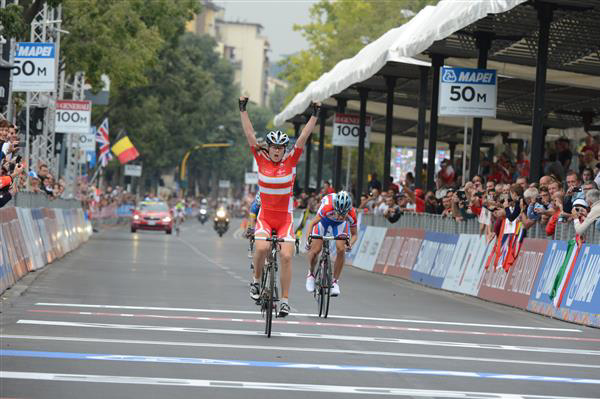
x=197 y=383
x=471 y=345
x=228 y=311
x=292 y=349
x=321 y=324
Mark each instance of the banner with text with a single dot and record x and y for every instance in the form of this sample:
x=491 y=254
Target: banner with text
x=346 y=130
x=73 y=116
x=403 y=248
x=434 y=259
x=468 y=264
x=582 y=301
x=514 y=288
x=34 y=67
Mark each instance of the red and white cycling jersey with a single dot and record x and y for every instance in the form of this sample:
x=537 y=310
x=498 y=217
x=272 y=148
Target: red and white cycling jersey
x=326 y=211
x=276 y=180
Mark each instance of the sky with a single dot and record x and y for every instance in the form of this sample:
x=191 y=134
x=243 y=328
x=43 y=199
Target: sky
x=277 y=17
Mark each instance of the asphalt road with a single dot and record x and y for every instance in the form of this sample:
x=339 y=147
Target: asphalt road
x=148 y=315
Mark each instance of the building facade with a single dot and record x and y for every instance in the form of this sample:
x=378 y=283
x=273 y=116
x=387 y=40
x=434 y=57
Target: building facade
x=242 y=44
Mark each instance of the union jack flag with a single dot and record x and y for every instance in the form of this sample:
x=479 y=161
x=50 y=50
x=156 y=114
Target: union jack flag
x=104 y=142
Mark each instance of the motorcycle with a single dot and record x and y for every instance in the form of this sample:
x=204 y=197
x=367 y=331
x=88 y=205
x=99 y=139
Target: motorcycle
x=203 y=215
x=221 y=222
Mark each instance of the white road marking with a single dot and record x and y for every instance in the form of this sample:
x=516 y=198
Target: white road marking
x=228 y=311
x=471 y=345
x=292 y=349
x=197 y=383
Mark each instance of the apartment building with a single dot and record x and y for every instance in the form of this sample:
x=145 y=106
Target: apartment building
x=242 y=44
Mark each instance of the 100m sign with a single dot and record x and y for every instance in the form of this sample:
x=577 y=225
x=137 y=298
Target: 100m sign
x=346 y=130
x=70 y=116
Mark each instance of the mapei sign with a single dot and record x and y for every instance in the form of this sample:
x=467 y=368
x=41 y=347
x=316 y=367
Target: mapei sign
x=468 y=92
x=34 y=67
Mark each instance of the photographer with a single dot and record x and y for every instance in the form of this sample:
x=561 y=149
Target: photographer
x=574 y=191
x=395 y=211
x=584 y=216
x=8 y=175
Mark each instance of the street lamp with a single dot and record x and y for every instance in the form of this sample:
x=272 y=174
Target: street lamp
x=183 y=169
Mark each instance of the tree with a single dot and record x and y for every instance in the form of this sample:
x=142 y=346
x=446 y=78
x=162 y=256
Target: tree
x=338 y=30
x=120 y=38
x=190 y=98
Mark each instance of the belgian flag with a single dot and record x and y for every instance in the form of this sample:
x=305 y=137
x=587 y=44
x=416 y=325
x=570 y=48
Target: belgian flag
x=124 y=150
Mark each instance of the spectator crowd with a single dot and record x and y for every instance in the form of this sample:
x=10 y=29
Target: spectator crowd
x=564 y=194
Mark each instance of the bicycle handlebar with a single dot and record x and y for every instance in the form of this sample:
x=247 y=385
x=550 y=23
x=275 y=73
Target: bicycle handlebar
x=328 y=238
x=271 y=239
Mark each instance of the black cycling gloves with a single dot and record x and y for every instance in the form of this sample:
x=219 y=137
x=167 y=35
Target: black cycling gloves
x=315 y=109
x=243 y=102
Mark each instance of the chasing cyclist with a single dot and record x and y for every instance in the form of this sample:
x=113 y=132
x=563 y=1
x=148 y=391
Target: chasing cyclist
x=336 y=211
x=276 y=174
x=252 y=214
x=180 y=211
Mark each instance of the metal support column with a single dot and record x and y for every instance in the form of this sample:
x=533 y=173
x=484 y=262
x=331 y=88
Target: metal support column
x=545 y=12
x=337 y=170
x=436 y=63
x=452 y=146
x=322 y=121
x=484 y=42
x=364 y=95
x=424 y=77
x=390 y=82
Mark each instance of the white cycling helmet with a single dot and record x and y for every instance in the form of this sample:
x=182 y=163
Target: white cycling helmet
x=277 y=137
x=342 y=202
x=257 y=198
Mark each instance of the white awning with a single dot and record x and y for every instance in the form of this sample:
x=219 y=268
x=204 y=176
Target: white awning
x=431 y=24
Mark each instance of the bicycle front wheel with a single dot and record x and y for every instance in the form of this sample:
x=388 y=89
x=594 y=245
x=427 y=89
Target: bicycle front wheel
x=269 y=301
x=327 y=283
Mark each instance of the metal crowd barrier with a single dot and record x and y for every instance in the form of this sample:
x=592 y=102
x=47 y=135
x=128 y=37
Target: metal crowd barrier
x=437 y=223
x=40 y=200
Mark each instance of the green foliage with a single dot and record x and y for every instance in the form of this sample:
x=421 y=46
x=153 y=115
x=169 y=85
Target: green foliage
x=120 y=38
x=338 y=30
x=190 y=99
x=11 y=21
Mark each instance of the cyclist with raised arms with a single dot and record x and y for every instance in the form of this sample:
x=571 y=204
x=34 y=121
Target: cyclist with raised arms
x=336 y=212
x=276 y=174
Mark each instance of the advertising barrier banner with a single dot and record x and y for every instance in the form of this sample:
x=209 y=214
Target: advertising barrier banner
x=582 y=301
x=434 y=259
x=467 y=265
x=369 y=248
x=514 y=288
x=402 y=253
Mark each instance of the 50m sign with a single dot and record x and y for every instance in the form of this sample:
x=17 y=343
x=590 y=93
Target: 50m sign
x=468 y=92
x=73 y=116
x=34 y=67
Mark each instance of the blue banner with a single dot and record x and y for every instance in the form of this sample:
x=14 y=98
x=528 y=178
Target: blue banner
x=434 y=259
x=581 y=303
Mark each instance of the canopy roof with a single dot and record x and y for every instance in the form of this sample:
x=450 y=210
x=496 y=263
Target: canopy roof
x=429 y=25
x=450 y=29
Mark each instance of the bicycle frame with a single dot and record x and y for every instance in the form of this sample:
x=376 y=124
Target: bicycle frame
x=323 y=274
x=269 y=293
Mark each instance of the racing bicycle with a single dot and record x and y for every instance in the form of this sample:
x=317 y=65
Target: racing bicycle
x=323 y=274
x=269 y=293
